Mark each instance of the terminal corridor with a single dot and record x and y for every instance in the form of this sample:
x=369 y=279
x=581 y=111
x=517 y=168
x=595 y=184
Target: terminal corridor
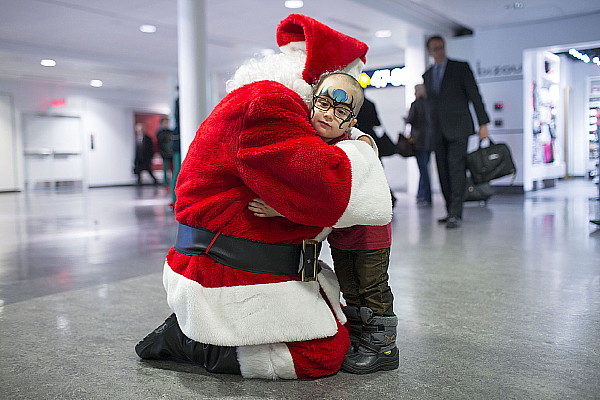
x=507 y=307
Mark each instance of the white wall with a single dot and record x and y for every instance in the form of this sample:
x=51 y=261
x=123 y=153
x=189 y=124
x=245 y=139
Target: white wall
x=107 y=114
x=9 y=179
x=111 y=160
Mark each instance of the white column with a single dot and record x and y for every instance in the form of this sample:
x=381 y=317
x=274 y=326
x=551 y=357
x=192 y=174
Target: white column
x=191 y=49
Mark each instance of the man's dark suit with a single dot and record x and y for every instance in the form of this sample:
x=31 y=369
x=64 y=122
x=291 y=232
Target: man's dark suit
x=453 y=124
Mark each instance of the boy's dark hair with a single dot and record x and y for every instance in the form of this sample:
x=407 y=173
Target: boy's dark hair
x=435 y=37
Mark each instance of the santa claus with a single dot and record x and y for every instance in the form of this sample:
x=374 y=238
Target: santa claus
x=248 y=294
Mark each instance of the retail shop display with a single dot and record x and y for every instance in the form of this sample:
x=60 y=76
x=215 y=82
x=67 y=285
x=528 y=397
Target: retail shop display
x=546 y=95
x=544 y=134
x=593 y=130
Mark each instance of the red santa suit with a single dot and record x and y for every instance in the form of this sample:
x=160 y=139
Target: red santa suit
x=258 y=142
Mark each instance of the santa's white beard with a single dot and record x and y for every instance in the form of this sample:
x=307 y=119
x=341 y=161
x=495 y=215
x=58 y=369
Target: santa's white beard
x=283 y=68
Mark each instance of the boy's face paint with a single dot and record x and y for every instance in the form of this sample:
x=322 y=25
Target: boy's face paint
x=339 y=96
x=332 y=112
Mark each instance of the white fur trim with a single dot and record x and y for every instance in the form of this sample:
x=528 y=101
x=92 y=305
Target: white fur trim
x=249 y=315
x=370 y=200
x=331 y=288
x=354 y=68
x=293 y=46
x=266 y=361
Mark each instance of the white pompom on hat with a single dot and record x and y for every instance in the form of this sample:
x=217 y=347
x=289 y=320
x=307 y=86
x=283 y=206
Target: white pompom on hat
x=326 y=49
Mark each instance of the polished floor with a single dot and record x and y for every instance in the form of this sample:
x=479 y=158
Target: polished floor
x=506 y=307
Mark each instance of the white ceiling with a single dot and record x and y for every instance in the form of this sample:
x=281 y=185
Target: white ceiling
x=100 y=39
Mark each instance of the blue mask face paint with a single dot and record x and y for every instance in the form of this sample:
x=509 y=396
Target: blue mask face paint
x=339 y=95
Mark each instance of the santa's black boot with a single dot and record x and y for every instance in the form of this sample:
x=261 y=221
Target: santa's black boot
x=168 y=342
x=377 y=349
x=354 y=326
x=221 y=359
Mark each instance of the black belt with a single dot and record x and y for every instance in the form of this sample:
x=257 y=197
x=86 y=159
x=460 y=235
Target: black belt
x=295 y=260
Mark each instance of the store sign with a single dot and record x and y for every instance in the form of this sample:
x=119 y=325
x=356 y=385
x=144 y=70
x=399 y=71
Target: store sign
x=499 y=70
x=383 y=77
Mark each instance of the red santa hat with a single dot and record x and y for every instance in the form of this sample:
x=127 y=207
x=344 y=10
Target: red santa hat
x=326 y=49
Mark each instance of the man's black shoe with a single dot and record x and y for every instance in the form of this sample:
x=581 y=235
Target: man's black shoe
x=453 y=223
x=442 y=220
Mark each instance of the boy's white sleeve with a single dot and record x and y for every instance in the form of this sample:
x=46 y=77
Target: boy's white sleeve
x=356 y=133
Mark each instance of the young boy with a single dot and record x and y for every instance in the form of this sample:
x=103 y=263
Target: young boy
x=360 y=253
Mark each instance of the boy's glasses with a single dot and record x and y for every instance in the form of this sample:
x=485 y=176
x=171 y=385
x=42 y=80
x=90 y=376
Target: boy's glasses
x=341 y=112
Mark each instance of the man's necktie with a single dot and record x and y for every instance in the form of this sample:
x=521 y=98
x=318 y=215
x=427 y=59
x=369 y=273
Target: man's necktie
x=437 y=77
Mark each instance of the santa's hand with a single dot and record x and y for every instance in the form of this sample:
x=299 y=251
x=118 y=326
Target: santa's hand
x=261 y=209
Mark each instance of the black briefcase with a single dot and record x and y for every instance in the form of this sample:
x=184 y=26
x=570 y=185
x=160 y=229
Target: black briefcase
x=491 y=162
x=478 y=192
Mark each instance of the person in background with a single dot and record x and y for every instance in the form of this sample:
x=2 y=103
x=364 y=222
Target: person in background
x=165 y=148
x=367 y=121
x=360 y=253
x=176 y=149
x=144 y=151
x=451 y=87
x=420 y=123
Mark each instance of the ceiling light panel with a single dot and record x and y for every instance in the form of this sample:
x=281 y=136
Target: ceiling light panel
x=47 y=62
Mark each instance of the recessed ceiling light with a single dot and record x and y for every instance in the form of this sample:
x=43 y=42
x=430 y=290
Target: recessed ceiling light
x=48 y=62
x=383 y=33
x=96 y=83
x=294 y=4
x=148 y=28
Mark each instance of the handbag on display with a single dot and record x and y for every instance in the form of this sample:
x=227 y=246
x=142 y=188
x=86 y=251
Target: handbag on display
x=385 y=145
x=548 y=153
x=491 y=162
x=405 y=146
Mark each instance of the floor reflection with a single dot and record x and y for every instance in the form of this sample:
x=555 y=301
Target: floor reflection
x=65 y=241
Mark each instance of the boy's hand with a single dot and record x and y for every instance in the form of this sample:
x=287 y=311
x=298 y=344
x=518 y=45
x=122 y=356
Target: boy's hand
x=366 y=139
x=261 y=209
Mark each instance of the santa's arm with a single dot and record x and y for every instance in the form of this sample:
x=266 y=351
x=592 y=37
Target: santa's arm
x=283 y=161
x=370 y=196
